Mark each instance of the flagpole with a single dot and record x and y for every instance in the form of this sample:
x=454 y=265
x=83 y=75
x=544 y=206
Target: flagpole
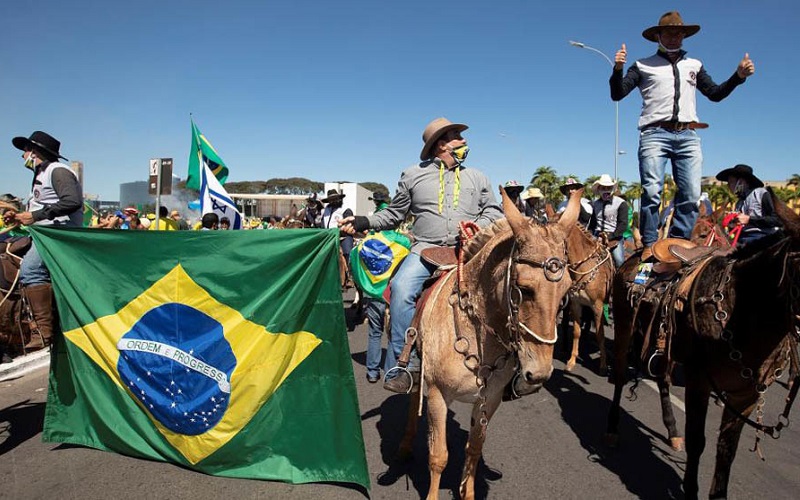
x=158 y=194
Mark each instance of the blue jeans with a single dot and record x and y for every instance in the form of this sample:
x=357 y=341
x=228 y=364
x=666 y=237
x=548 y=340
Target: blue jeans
x=682 y=149
x=618 y=253
x=375 y=310
x=32 y=270
x=406 y=288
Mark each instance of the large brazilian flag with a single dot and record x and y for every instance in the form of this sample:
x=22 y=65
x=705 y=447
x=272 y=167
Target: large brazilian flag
x=221 y=351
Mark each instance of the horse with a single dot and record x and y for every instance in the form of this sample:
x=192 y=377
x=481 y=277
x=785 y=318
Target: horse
x=732 y=328
x=592 y=271
x=15 y=330
x=491 y=318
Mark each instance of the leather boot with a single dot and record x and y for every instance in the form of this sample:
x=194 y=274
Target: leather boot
x=40 y=300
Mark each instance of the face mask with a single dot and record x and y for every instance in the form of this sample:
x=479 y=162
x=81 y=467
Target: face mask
x=668 y=51
x=739 y=188
x=606 y=195
x=29 y=162
x=460 y=154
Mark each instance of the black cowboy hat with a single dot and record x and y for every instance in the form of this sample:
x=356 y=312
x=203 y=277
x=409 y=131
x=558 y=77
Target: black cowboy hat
x=379 y=197
x=570 y=183
x=333 y=195
x=741 y=171
x=41 y=140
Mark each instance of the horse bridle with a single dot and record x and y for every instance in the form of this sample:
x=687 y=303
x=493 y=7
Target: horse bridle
x=553 y=268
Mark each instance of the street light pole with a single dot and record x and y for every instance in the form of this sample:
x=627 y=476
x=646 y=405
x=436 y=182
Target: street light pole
x=616 y=103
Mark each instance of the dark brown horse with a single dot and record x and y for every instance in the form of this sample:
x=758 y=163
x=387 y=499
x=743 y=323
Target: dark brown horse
x=731 y=328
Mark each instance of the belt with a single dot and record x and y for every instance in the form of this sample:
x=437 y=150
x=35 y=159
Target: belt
x=678 y=126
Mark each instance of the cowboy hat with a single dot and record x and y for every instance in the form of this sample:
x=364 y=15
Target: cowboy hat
x=570 y=183
x=743 y=172
x=672 y=21
x=605 y=180
x=333 y=195
x=40 y=140
x=513 y=187
x=532 y=192
x=379 y=197
x=435 y=130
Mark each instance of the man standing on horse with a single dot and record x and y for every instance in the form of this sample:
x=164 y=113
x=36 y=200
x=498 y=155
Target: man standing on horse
x=56 y=200
x=440 y=192
x=668 y=81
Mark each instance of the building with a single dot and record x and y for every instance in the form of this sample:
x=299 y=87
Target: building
x=356 y=197
x=77 y=167
x=280 y=205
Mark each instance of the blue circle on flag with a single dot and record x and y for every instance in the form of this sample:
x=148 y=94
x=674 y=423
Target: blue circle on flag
x=177 y=362
x=377 y=256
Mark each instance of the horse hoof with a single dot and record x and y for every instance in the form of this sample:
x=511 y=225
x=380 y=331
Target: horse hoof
x=570 y=366
x=611 y=440
x=676 y=443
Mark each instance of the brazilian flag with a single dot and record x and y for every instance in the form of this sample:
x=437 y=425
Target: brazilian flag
x=203 y=152
x=374 y=260
x=221 y=351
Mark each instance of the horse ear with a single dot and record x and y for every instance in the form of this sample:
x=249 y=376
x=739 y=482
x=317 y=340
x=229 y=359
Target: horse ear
x=519 y=225
x=570 y=216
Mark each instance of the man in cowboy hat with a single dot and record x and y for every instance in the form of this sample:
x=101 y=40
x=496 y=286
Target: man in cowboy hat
x=313 y=211
x=754 y=204
x=667 y=82
x=609 y=216
x=513 y=189
x=381 y=200
x=56 y=200
x=334 y=212
x=533 y=199
x=440 y=192
x=570 y=185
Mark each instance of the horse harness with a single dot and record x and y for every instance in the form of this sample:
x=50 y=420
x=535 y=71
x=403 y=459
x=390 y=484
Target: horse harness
x=601 y=255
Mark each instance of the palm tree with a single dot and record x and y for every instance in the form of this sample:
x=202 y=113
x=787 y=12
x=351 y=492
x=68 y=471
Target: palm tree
x=721 y=196
x=794 y=180
x=633 y=194
x=546 y=179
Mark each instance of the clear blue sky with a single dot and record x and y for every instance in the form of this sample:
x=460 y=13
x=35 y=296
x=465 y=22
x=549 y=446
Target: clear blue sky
x=341 y=90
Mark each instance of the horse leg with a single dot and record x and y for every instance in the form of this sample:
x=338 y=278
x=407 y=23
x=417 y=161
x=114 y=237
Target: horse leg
x=730 y=430
x=575 y=314
x=404 y=452
x=667 y=414
x=600 y=335
x=474 y=449
x=623 y=335
x=437 y=438
x=697 y=394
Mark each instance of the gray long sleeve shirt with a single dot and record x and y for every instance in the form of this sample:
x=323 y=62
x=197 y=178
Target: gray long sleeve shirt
x=418 y=194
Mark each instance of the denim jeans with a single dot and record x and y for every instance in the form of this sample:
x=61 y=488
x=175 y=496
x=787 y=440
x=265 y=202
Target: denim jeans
x=375 y=310
x=682 y=149
x=618 y=253
x=406 y=288
x=32 y=270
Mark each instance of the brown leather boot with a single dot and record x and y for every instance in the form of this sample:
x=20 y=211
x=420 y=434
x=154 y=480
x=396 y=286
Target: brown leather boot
x=40 y=300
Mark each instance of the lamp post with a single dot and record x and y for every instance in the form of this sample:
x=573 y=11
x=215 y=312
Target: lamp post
x=617 y=152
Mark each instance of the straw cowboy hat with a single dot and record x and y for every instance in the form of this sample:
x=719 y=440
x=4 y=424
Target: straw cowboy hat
x=743 y=172
x=571 y=183
x=670 y=21
x=605 y=180
x=532 y=192
x=435 y=130
x=333 y=195
x=41 y=140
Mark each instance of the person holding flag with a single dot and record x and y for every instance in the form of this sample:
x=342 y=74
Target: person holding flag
x=207 y=172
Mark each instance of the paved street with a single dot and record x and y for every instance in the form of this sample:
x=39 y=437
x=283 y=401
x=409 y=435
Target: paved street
x=546 y=445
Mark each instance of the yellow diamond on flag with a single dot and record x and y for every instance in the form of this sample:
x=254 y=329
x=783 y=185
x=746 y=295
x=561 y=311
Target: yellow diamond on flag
x=198 y=368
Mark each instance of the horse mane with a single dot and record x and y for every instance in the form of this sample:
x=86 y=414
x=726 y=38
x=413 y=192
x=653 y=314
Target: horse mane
x=486 y=234
x=791 y=221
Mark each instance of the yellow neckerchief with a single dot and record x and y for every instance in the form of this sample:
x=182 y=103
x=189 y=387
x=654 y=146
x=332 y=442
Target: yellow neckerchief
x=456 y=188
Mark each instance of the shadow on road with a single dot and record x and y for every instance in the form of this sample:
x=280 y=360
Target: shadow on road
x=19 y=423
x=391 y=425
x=639 y=462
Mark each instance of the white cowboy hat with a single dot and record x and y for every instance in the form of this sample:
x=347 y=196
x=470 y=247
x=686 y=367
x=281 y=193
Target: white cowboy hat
x=605 y=180
x=531 y=192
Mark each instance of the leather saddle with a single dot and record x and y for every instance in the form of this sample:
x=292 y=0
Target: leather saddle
x=680 y=252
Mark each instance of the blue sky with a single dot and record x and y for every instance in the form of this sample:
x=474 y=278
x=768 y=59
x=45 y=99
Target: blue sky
x=342 y=90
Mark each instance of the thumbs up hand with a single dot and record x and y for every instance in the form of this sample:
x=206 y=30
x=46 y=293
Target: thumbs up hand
x=620 y=57
x=746 y=67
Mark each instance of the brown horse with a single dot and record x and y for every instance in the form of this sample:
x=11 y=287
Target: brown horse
x=731 y=331
x=482 y=324
x=592 y=271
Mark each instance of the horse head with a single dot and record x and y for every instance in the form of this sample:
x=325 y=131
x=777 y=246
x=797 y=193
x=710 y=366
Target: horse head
x=536 y=282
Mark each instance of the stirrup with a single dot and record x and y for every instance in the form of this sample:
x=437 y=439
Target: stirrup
x=657 y=364
x=404 y=370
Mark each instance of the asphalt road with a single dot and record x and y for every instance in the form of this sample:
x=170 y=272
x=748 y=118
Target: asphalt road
x=546 y=445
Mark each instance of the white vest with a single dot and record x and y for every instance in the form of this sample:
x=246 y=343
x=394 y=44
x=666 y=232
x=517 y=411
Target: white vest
x=658 y=88
x=43 y=195
x=331 y=218
x=606 y=214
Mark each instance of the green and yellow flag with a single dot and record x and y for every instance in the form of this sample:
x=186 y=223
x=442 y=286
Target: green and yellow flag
x=203 y=151
x=224 y=352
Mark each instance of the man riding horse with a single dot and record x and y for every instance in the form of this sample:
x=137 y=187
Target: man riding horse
x=440 y=192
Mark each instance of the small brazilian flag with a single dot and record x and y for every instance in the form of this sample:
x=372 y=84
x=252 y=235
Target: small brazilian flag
x=221 y=351
x=375 y=259
x=202 y=152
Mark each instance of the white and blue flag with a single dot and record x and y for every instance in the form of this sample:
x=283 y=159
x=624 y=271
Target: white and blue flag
x=214 y=198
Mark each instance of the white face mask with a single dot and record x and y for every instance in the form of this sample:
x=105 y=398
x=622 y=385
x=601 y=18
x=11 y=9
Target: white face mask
x=668 y=51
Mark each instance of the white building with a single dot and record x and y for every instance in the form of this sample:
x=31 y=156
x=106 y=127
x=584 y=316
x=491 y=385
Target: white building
x=356 y=197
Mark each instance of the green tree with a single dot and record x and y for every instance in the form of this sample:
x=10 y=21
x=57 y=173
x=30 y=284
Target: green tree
x=546 y=179
x=721 y=196
x=375 y=187
x=633 y=193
